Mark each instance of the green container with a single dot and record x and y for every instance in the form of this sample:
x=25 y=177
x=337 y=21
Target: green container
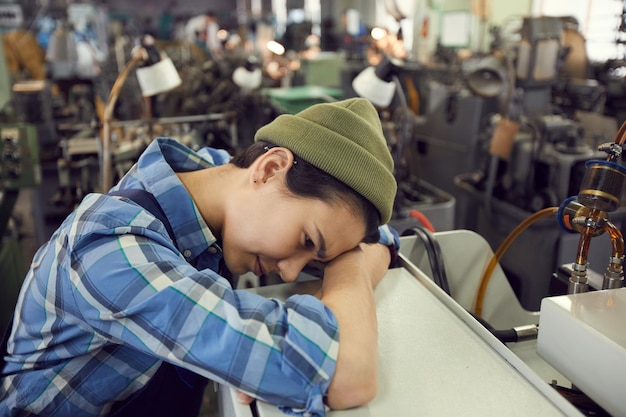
x=295 y=99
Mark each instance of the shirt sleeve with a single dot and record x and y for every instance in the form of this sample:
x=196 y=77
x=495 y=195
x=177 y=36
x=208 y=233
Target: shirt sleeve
x=133 y=290
x=390 y=238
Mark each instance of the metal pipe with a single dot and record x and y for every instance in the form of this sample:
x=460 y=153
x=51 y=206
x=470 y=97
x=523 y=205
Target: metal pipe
x=614 y=274
x=578 y=280
x=106 y=165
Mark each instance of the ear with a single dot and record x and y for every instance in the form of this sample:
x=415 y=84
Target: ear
x=275 y=163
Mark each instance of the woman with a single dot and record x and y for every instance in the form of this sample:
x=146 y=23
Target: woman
x=117 y=317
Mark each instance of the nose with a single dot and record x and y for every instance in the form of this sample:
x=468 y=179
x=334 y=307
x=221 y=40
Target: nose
x=290 y=268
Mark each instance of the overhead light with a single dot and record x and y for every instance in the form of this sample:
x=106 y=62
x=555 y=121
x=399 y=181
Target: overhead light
x=488 y=78
x=275 y=47
x=378 y=33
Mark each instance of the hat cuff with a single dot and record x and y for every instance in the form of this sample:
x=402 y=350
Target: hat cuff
x=360 y=170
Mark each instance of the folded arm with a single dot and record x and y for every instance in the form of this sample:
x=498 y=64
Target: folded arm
x=347 y=290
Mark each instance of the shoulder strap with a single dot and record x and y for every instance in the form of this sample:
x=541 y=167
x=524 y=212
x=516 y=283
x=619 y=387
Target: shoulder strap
x=149 y=202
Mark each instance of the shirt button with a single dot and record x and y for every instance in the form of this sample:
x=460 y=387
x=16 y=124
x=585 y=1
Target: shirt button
x=187 y=253
x=212 y=249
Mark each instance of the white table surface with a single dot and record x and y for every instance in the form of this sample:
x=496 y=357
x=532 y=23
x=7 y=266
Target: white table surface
x=432 y=363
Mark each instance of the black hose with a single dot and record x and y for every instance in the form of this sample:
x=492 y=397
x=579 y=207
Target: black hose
x=505 y=336
x=440 y=278
x=435 y=258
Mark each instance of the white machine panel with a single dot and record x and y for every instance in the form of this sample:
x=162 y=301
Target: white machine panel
x=584 y=337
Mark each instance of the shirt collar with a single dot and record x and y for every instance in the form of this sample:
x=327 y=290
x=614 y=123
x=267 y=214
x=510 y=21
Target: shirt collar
x=157 y=169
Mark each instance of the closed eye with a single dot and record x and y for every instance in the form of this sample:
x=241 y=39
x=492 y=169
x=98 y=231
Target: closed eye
x=308 y=243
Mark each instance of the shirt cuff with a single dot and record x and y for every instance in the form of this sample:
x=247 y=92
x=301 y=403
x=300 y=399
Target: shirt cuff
x=315 y=406
x=390 y=238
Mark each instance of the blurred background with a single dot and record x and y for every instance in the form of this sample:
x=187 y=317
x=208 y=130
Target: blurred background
x=490 y=108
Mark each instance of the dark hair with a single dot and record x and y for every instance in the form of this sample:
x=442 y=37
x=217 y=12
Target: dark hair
x=308 y=181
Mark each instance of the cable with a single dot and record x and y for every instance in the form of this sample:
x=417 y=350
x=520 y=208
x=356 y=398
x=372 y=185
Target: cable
x=433 y=250
x=515 y=334
x=512 y=335
x=423 y=219
x=480 y=295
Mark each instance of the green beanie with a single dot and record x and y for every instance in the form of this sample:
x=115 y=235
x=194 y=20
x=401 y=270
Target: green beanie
x=344 y=139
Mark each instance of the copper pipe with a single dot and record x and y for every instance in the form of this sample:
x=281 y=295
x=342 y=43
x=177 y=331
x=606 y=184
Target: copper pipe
x=617 y=243
x=583 y=245
x=620 y=136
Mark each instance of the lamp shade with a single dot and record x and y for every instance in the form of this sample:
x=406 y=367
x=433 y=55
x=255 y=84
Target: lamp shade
x=62 y=53
x=488 y=78
x=158 y=78
x=368 y=85
x=249 y=79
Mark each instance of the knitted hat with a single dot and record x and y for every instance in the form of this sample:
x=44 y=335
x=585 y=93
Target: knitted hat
x=344 y=139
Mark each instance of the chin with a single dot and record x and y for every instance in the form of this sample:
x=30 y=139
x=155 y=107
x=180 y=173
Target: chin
x=239 y=265
x=236 y=269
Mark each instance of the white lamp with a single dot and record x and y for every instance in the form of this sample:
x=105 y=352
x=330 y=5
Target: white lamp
x=158 y=78
x=157 y=75
x=377 y=84
x=249 y=75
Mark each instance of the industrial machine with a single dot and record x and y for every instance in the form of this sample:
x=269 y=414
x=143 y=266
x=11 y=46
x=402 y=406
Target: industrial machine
x=546 y=166
x=592 y=322
x=509 y=142
x=19 y=168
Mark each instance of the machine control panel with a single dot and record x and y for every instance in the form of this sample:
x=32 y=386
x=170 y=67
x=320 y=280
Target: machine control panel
x=19 y=167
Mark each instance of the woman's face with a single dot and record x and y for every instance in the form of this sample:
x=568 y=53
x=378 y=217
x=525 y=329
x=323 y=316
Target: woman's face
x=271 y=230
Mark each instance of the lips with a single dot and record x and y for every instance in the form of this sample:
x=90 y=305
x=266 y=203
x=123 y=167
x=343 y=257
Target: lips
x=258 y=268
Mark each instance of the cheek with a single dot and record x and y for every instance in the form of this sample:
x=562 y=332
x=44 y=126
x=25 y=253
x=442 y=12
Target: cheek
x=269 y=233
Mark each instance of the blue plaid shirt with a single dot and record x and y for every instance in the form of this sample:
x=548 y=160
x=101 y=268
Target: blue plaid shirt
x=111 y=296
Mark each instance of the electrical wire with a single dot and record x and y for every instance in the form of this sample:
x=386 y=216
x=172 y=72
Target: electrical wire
x=505 y=336
x=433 y=250
x=422 y=219
x=440 y=278
x=482 y=289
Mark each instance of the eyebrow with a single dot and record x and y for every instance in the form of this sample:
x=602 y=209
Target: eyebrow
x=321 y=251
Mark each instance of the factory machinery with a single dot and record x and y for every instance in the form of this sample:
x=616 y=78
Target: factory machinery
x=540 y=178
x=506 y=134
x=19 y=169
